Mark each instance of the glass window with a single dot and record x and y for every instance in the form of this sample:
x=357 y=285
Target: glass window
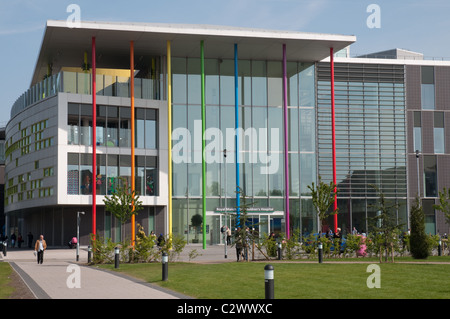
x=179 y=84
x=112 y=173
x=430 y=175
x=100 y=132
x=86 y=173
x=151 y=132
x=125 y=127
x=194 y=81
x=101 y=174
x=275 y=83
x=306 y=84
x=259 y=83
x=439 y=138
x=73 y=122
x=86 y=124
x=112 y=126
x=212 y=82
x=73 y=174
x=428 y=94
x=227 y=82
x=307 y=126
x=139 y=128
x=151 y=176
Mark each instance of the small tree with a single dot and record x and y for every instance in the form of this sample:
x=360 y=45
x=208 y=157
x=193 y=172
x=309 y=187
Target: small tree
x=123 y=203
x=419 y=245
x=385 y=224
x=323 y=196
x=444 y=203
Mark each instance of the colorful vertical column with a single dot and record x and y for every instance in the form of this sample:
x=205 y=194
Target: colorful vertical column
x=286 y=153
x=169 y=132
x=133 y=184
x=94 y=141
x=236 y=137
x=333 y=135
x=202 y=62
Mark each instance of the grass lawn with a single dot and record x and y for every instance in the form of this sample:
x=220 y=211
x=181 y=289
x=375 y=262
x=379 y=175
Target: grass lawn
x=5 y=280
x=298 y=280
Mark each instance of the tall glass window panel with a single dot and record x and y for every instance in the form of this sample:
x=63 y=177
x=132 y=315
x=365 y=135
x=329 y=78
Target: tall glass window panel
x=100 y=132
x=86 y=173
x=427 y=89
x=139 y=128
x=73 y=121
x=213 y=150
x=195 y=168
x=226 y=82
x=275 y=83
x=86 y=124
x=140 y=175
x=275 y=172
x=73 y=174
x=439 y=138
x=125 y=127
x=212 y=82
x=151 y=131
x=307 y=172
x=194 y=81
x=245 y=82
x=112 y=173
x=151 y=176
x=293 y=129
x=112 y=126
x=430 y=175
x=179 y=81
x=294 y=175
x=183 y=153
x=100 y=180
x=292 y=83
x=259 y=83
x=275 y=129
x=417 y=131
x=307 y=130
x=125 y=169
x=306 y=84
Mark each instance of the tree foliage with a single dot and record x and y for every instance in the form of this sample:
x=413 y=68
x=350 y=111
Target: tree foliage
x=323 y=196
x=123 y=203
x=419 y=244
x=385 y=224
x=444 y=203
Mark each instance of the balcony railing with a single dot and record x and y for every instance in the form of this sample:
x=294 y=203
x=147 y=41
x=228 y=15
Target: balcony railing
x=81 y=83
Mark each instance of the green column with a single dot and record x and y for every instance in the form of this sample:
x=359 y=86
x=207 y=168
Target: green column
x=202 y=62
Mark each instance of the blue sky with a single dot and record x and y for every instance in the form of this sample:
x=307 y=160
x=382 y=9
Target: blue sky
x=416 y=25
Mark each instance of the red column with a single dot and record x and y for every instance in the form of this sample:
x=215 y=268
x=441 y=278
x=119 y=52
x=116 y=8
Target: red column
x=333 y=135
x=94 y=142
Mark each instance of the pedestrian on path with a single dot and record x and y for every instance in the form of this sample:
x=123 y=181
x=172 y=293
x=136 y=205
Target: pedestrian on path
x=40 y=247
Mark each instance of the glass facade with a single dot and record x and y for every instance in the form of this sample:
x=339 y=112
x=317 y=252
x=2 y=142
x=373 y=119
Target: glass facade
x=370 y=137
x=261 y=147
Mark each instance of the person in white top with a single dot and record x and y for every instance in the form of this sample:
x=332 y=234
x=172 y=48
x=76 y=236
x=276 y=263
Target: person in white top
x=40 y=247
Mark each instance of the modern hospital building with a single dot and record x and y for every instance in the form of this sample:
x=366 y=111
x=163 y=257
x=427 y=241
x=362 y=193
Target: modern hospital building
x=270 y=111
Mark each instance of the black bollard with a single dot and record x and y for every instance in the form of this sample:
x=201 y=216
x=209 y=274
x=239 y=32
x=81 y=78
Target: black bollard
x=165 y=266
x=320 y=249
x=89 y=254
x=116 y=257
x=440 y=248
x=279 y=251
x=269 y=284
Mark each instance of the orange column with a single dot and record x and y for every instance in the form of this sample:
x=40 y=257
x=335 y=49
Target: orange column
x=133 y=230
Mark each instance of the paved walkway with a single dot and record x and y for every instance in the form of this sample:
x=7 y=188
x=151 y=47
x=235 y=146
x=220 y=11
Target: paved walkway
x=57 y=277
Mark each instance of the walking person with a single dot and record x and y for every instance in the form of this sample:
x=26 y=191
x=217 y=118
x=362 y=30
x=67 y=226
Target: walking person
x=40 y=247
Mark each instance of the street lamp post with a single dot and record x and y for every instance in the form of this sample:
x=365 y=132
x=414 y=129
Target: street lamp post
x=418 y=179
x=225 y=178
x=78 y=233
